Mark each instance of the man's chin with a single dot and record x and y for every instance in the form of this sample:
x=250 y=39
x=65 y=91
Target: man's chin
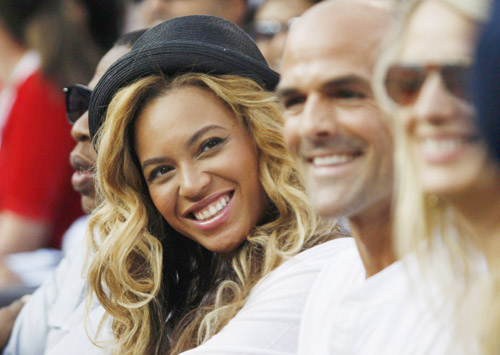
x=327 y=206
x=88 y=204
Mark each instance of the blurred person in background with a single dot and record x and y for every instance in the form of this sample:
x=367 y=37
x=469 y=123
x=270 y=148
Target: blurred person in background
x=152 y=12
x=448 y=191
x=270 y=26
x=343 y=147
x=487 y=99
x=43 y=45
x=72 y=35
x=54 y=314
x=487 y=83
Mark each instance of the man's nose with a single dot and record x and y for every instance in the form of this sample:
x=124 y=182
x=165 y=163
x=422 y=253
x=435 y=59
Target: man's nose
x=80 y=129
x=318 y=117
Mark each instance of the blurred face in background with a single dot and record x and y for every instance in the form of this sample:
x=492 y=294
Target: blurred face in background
x=83 y=155
x=428 y=81
x=154 y=12
x=271 y=24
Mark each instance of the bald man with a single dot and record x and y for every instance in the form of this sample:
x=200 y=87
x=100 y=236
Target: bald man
x=364 y=301
x=343 y=146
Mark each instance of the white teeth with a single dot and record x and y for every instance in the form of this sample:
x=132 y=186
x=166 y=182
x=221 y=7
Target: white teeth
x=441 y=145
x=213 y=209
x=332 y=159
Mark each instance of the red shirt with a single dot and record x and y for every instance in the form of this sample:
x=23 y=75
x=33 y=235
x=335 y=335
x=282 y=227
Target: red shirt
x=34 y=158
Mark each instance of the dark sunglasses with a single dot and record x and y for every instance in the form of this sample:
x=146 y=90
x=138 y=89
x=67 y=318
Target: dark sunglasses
x=267 y=29
x=77 y=101
x=403 y=82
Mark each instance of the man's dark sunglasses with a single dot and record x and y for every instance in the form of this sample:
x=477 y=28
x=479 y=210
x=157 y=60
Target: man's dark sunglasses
x=267 y=29
x=403 y=82
x=77 y=101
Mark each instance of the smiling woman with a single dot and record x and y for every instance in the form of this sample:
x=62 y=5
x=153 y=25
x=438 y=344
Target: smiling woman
x=218 y=199
x=201 y=197
x=448 y=186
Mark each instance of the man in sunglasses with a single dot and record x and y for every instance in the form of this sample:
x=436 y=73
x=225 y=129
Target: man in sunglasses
x=52 y=320
x=270 y=26
x=343 y=147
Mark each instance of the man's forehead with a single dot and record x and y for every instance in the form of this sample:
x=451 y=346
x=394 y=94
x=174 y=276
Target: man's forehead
x=311 y=69
x=332 y=40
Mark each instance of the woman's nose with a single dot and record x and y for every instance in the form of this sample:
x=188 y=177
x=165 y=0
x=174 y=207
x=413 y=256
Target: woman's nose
x=193 y=182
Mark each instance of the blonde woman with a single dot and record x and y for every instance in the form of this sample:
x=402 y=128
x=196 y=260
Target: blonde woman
x=448 y=194
x=201 y=198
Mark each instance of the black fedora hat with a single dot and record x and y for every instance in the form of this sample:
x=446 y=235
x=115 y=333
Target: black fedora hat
x=205 y=44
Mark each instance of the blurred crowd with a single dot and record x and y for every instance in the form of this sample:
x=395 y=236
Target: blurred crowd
x=411 y=91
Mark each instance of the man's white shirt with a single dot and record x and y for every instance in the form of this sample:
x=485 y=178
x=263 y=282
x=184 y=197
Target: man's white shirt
x=397 y=311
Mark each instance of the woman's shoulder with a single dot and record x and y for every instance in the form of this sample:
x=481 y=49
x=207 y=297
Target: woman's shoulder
x=269 y=321
x=333 y=246
x=303 y=268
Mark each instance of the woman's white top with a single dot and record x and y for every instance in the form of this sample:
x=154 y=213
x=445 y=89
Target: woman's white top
x=52 y=321
x=269 y=322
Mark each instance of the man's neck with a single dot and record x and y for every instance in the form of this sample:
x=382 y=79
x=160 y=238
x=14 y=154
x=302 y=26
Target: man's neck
x=372 y=231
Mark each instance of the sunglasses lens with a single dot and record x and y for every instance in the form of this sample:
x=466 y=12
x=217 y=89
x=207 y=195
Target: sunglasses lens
x=77 y=101
x=403 y=83
x=266 y=29
x=456 y=78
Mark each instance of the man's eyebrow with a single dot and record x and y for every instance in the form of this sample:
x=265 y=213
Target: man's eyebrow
x=285 y=92
x=345 y=81
x=337 y=82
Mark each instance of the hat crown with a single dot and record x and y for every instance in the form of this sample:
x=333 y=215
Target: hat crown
x=201 y=44
x=202 y=29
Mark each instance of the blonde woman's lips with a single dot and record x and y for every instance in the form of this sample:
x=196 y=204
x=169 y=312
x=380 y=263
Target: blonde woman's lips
x=441 y=150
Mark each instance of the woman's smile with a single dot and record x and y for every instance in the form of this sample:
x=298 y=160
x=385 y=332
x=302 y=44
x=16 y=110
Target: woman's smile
x=214 y=214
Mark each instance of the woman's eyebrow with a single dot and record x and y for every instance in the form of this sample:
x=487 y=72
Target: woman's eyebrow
x=152 y=161
x=189 y=143
x=201 y=132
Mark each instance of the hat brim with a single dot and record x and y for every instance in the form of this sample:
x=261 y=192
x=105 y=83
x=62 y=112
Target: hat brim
x=175 y=58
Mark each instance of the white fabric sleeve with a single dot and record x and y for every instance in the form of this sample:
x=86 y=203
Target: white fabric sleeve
x=269 y=322
x=42 y=316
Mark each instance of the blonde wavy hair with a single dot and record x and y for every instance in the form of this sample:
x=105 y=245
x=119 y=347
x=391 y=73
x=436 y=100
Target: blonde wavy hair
x=154 y=282
x=425 y=224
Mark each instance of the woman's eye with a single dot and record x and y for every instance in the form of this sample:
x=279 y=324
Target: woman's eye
x=210 y=144
x=158 y=172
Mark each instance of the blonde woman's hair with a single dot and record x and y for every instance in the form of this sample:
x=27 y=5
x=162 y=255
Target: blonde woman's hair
x=136 y=273
x=425 y=224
